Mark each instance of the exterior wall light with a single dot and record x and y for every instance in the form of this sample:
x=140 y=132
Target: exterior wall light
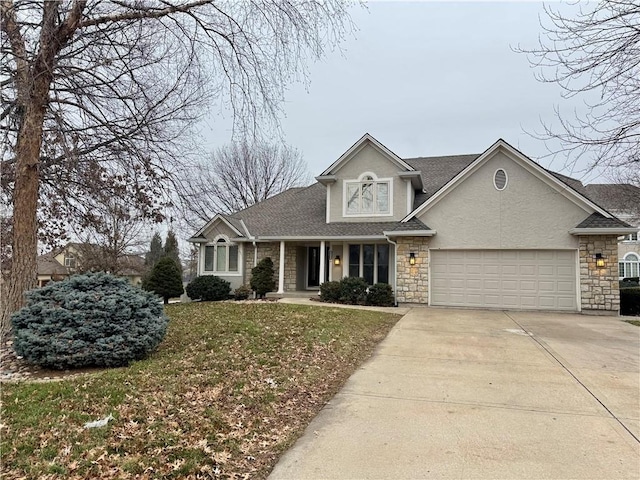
x=599 y=260
x=412 y=258
x=336 y=261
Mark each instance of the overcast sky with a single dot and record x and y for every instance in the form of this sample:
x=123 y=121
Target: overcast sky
x=424 y=78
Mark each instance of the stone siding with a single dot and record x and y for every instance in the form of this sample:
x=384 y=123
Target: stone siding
x=599 y=290
x=290 y=267
x=412 y=280
x=265 y=250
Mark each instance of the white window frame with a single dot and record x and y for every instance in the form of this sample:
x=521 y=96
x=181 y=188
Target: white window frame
x=214 y=243
x=630 y=238
x=627 y=263
x=361 y=260
x=360 y=181
x=70 y=258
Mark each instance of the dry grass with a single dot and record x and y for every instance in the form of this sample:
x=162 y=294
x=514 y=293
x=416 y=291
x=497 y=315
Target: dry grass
x=229 y=389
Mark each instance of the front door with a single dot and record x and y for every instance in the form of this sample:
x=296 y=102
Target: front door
x=313 y=267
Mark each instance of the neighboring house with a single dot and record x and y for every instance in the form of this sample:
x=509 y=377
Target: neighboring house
x=66 y=261
x=623 y=200
x=494 y=230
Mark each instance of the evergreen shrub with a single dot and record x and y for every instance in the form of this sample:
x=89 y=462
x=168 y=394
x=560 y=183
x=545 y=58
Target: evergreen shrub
x=208 y=288
x=262 y=281
x=92 y=320
x=165 y=279
x=353 y=290
x=381 y=295
x=330 y=292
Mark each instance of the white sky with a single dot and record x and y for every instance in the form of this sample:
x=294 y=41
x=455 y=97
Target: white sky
x=424 y=78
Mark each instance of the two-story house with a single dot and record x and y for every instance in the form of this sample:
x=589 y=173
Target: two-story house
x=72 y=258
x=490 y=230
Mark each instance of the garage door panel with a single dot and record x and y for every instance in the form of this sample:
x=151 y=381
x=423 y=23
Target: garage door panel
x=530 y=279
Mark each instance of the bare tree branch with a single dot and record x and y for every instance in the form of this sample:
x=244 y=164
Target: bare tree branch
x=593 y=51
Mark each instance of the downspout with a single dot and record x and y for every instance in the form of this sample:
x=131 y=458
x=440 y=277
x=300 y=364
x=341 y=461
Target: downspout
x=395 y=271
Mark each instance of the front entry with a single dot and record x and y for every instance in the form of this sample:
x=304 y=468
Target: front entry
x=313 y=266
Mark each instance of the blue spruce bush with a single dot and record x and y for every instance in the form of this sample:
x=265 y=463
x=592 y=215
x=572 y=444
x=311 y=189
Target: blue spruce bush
x=93 y=320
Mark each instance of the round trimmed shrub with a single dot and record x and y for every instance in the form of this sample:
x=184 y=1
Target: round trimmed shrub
x=208 y=288
x=262 y=281
x=353 y=290
x=381 y=295
x=92 y=320
x=330 y=292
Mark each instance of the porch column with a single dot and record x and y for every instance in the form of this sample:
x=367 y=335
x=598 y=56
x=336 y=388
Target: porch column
x=281 y=270
x=322 y=262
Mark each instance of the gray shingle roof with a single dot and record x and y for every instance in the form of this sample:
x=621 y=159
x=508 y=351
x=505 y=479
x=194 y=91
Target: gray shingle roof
x=48 y=265
x=301 y=212
x=597 y=220
x=615 y=197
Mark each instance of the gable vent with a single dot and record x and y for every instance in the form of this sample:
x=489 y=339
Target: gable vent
x=500 y=179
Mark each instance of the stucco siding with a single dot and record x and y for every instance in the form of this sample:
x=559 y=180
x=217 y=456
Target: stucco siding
x=219 y=228
x=528 y=213
x=368 y=159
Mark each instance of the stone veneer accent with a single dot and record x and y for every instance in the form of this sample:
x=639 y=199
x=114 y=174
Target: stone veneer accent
x=599 y=291
x=265 y=250
x=412 y=280
x=272 y=249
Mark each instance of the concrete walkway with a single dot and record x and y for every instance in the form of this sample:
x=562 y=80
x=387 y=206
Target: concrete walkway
x=479 y=394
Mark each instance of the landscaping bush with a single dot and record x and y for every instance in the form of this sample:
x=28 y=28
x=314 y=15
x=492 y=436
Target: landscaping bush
x=630 y=282
x=242 y=293
x=630 y=301
x=262 y=281
x=381 y=295
x=330 y=292
x=353 y=290
x=93 y=320
x=208 y=288
x=165 y=279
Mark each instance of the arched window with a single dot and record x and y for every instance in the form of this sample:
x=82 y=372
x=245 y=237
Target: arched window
x=629 y=266
x=221 y=256
x=367 y=196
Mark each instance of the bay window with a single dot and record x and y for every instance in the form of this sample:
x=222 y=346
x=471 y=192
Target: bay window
x=221 y=257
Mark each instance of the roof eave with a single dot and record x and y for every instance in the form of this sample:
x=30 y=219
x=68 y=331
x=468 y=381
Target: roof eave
x=603 y=231
x=415 y=177
x=410 y=233
x=326 y=179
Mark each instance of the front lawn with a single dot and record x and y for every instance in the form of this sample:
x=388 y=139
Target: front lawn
x=229 y=389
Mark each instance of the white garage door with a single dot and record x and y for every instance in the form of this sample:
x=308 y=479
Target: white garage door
x=518 y=279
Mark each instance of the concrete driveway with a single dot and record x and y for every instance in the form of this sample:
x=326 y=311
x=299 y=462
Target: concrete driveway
x=481 y=394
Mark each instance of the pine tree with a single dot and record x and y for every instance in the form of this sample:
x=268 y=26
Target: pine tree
x=171 y=249
x=155 y=251
x=165 y=279
x=262 y=281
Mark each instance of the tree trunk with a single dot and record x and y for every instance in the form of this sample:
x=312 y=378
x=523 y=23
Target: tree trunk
x=23 y=274
x=166 y=300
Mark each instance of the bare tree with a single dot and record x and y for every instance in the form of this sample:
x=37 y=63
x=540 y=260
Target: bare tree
x=240 y=174
x=593 y=51
x=109 y=234
x=100 y=91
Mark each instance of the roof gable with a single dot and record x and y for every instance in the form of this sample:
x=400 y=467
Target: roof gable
x=532 y=167
x=359 y=145
x=211 y=222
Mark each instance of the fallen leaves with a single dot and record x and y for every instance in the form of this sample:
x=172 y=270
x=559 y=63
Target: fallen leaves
x=230 y=388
